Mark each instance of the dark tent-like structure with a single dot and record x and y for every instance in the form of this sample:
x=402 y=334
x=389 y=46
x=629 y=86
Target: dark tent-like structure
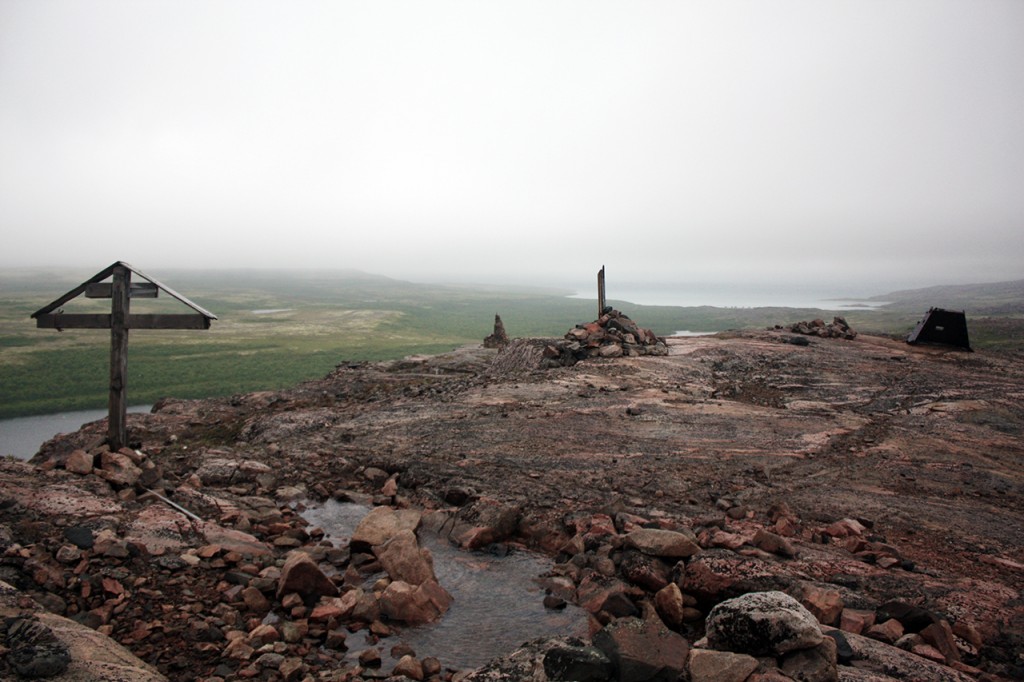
x=945 y=327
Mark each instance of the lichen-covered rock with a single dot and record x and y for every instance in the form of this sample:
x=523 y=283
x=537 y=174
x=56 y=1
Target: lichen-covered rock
x=762 y=623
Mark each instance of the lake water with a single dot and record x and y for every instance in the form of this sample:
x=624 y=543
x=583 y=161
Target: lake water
x=737 y=296
x=22 y=436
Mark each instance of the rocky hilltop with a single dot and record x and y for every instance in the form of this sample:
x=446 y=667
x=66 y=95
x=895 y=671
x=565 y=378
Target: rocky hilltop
x=750 y=506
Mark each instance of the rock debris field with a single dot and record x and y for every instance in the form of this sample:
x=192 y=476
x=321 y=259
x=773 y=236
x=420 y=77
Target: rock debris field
x=740 y=507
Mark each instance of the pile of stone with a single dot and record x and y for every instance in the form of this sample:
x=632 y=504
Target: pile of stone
x=611 y=336
x=837 y=329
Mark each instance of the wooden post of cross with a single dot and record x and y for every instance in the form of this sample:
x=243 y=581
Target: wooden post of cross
x=117 y=432
x=600 y=292
x=120 y=291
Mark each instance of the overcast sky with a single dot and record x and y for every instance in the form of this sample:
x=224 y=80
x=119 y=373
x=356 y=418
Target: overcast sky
x=861 y=141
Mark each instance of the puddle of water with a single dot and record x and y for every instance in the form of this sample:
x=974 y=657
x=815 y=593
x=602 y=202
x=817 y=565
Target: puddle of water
x=498 y=604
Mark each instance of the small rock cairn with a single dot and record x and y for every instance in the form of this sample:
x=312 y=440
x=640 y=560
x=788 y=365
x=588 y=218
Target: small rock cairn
x=837 y=329
x=613 y=335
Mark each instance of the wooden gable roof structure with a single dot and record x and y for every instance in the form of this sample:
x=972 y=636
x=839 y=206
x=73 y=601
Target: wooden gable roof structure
x=94 y=287
x=119 y=321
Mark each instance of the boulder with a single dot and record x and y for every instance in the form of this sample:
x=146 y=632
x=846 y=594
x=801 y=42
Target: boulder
x=657 y=542
x=414 y=604
x=404 y=559
x=300 y=574
x=708 y=665
x=577 y=662
x=643 y=649
x=381 y=524
x=762 y=623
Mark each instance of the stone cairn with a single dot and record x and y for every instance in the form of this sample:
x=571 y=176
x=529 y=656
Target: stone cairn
x=610 y=336
x=499 y=338
x=837 y=329
x=613 y=335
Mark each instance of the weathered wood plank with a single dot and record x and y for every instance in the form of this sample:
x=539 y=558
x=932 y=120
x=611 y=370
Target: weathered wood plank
x=73 y=321
x=136 y=290
x=165 y=321
x=138 y=321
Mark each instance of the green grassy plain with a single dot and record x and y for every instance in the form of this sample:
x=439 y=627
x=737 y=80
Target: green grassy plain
x=278 y=328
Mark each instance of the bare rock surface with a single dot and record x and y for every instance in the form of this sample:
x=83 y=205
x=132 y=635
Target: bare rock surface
x=879 y=485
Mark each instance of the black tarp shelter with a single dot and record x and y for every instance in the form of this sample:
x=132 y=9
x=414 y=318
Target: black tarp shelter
x=945 y=327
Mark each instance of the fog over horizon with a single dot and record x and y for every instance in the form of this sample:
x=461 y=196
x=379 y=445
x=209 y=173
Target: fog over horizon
x=864 y=146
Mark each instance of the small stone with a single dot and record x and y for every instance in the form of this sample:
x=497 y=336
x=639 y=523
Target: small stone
x=409 y=666
x=254 y=600
x=370 y=658
x=80 y=462
x=888 y=632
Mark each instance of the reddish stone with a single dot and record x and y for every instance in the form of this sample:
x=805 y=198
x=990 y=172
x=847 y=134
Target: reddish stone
x=301 y=574
x=856 y=621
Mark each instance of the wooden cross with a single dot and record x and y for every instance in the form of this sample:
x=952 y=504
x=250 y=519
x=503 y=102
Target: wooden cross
x=120 y=290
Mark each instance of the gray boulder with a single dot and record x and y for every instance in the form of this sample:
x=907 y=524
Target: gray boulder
x=762 y=623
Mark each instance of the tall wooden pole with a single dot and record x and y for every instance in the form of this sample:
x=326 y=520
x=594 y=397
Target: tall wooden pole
x=117 y=431
x=600 y=292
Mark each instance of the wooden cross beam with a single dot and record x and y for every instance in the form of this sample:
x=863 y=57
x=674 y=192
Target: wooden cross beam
x=120 y=320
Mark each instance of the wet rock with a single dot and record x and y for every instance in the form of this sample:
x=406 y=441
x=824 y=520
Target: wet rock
x=486 y=521
x=408 y=666
x=662 y=543
x=576 y=662
x=643 y=650
x=761 y=623
x=371 y=658
x=404 y=559
x=381 y=524
x=414 y=604
x=708 y=665
x=301 y=574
